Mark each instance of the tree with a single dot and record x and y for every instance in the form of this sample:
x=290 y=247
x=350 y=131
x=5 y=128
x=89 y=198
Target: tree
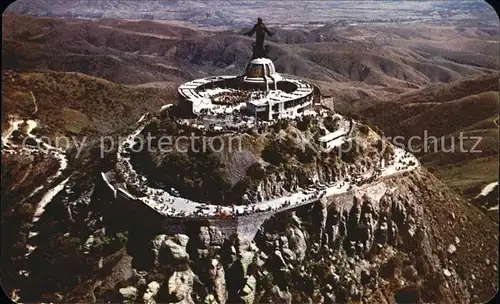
x=26 y=210
x=238 y=190
x=304 y=123
x=274 y=153
x=281 y=124
x=152 y=127
x=349 y=152
x=364 y=129
x=256 y=172
x=306 y=155
x=115 y=242
x=170 y=127
x=330 y=123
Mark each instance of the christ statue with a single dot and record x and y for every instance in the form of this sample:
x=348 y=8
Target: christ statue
x=261 y=30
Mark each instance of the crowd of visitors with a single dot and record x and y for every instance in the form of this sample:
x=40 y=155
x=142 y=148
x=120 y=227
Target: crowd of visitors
x=230 y=98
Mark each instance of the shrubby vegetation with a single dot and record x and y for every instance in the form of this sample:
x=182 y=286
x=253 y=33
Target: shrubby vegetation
x=281 y=124
x=306 y=155
x=350 y=151
x=115 y=242
x=363 y=129
x=304 y=123
x=205 y=177
x=283 y=151
x=256 y=172
x=330 y=123
x=277 y=152
x=198 y=176
x=388 y=152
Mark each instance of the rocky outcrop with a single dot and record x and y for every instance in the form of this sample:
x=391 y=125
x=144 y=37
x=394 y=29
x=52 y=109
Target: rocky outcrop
x=169 y=249
x=360 y=241
x=282 y=183
x=402 y=237
x=129 y=294
x=218 y=281
x=151 y=292
x=179 y=286
x=296 y=243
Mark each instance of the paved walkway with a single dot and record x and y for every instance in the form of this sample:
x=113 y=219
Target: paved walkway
x=173 y=206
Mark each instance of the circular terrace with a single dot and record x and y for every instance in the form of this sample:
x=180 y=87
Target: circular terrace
x=261 y=92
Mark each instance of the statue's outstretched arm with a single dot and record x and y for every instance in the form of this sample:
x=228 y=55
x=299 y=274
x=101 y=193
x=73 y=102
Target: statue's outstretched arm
x=268 y=32
x=250 y=33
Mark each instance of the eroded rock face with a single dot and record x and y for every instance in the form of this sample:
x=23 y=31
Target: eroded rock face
x=248 y=291
x=204 y=238
x=297 y=243
x=282 y=183
x=151 y=292
x=218 y=280
x=361 y=240
x=129 y=294
x=180 y=287
x=281 y=296
x=369 y=245
x=169 y=249
x=157 y=244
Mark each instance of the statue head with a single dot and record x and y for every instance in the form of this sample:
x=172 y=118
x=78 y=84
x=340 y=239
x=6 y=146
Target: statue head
x=259 y=20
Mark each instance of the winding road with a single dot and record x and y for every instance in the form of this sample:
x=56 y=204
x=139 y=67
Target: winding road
x=9 y=146
x=173 y=206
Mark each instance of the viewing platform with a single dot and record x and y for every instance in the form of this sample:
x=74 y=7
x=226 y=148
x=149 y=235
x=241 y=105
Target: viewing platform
x=261 y=92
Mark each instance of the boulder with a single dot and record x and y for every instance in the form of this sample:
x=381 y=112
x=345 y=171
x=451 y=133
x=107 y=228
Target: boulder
x=216 y=237
x=151 y=292
x=248 y=292
x=204 y=237
x=157 y=243
x=288 y=255
x=180 y=286
x=129 y=294
x=175 y=251
x=297 y=243
x=181 y=239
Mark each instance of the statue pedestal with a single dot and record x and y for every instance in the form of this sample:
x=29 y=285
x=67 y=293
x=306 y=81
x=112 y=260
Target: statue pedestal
x=259 y=51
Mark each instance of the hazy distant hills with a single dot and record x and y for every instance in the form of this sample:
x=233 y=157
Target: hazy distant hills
x=132 y=52
x=225 y=13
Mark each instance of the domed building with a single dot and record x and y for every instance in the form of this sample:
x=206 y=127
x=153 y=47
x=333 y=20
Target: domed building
x=261 y=70
x=261 y=92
